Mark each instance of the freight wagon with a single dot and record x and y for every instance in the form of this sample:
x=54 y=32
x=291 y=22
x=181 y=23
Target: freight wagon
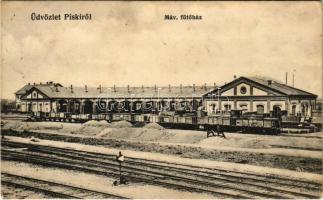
x=234 y=121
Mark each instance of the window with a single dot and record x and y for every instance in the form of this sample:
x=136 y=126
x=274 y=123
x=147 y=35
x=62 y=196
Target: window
x=260 y=109
x=227 y=107
x=244 y=107
x=243 y=90
x=294 y=110
x=34 y=94
x=213 y=107
x=303 y=110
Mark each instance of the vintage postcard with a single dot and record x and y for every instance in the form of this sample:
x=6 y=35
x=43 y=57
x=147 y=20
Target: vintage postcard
x=161 y=100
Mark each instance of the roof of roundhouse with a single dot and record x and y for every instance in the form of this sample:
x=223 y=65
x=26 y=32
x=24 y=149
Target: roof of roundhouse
x=122 y=92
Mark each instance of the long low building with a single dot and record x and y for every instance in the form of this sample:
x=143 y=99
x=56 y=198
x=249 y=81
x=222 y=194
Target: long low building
x=53 y=97
x=249 y=94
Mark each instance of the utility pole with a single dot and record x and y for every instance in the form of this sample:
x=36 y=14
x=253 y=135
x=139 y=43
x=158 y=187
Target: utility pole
x=294 y=77
x=286 y=81
x=219 y=98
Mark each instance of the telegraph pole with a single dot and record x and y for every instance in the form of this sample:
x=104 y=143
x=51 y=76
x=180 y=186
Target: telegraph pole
x=219 y=99
x=294 y=77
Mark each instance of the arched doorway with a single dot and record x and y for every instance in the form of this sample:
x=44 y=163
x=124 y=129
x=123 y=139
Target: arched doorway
x=123 y=106
x=180 y=105
x=62 y=106
x=172 y=105
x=148 y=106
x=74 y=106
x=137 y=106
x=165 y=105
x=277 y=111
x=112 y=106
x=88 y=107
x=101 y=106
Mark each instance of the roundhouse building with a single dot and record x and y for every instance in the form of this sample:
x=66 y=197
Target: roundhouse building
x=53 y=97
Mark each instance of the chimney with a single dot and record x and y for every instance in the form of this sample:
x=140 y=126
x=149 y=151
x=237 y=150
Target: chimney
x=193 y=87
x=71 y=88
x=142 y=88
x=114 y=88
x=155 y=88
x=28 y=83
x=234 y=76
x=86 y=88
x=169 y=88
x=205 y=88
x=40 y=83
x=286 y=76
x=128 y=88
x=56 y=88
x=100 y=89
x=270 y=82
x=34 y=83
x=181 y=88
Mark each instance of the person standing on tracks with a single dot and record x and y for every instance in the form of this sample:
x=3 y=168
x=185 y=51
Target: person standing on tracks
x=120 y=158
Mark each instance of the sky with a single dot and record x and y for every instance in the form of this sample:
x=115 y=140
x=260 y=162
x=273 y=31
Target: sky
x=131 y=43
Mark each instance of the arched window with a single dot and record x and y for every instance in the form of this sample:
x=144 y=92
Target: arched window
x=260 y=109
x=227 y=107
x=294 y=110
x=303 y=109
x=213 y=107
x=244 y=107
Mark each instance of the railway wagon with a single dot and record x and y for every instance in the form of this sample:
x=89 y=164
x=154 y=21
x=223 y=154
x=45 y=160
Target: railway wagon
x=235 y=121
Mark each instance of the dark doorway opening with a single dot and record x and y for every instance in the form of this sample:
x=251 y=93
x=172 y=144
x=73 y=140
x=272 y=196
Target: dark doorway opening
x=277 y=111
x=88 y=107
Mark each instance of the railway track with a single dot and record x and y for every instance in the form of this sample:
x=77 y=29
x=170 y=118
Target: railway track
x=55 y=190
x=220 y=183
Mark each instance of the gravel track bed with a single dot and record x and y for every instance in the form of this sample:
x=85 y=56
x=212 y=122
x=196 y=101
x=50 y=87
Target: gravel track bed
x=259 y=159
x=182 y=176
